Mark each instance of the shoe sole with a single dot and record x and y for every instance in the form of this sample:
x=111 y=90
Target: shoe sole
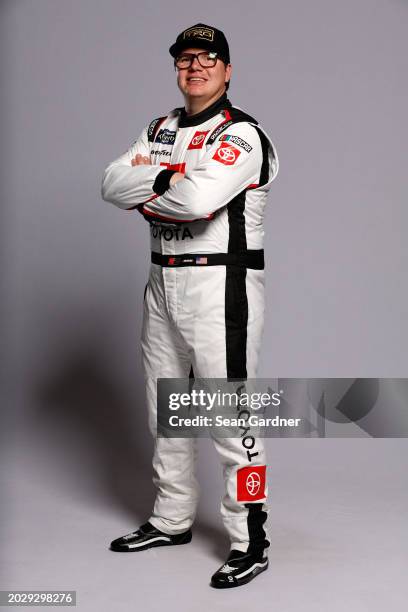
x=148 y=545
x=232 y=585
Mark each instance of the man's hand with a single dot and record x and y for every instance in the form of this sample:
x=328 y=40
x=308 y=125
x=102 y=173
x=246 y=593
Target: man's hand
x=177 y=176
x=140 y=159
x=144 y=160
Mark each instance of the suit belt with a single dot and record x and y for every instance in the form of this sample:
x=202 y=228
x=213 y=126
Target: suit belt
x=253 y=259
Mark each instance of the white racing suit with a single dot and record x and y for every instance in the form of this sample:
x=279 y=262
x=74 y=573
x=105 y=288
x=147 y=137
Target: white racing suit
x=204 y=301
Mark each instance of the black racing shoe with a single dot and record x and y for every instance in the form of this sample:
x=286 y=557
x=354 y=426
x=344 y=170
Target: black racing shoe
x=146 y=537
x=239 y=569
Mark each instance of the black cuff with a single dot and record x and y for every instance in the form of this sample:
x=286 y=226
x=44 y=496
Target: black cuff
x=162 y=182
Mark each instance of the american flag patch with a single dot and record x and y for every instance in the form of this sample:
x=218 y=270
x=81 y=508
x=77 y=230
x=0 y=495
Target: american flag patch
x=201 y=261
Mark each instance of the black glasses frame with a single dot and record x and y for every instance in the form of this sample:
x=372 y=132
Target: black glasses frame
x=192 y=57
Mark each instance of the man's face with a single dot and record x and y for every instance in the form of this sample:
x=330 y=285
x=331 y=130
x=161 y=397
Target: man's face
x=203 y=83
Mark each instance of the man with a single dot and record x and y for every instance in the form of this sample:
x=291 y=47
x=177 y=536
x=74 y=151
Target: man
x=200 y=176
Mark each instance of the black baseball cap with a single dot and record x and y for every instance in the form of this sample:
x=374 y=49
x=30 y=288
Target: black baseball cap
x=203 y=37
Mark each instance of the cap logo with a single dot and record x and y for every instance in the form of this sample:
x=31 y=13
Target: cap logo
x=205 y=33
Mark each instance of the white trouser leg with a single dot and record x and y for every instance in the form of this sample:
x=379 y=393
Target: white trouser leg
x=165 y=356
x=225 y=336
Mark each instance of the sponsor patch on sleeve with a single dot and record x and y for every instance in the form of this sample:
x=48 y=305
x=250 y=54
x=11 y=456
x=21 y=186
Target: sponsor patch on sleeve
x=226 y=154
x=251 y=481
x=153 y=127
x=236 y=140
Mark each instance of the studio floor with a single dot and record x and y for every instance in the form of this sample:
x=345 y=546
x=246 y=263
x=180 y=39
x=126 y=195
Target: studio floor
x=338 y=527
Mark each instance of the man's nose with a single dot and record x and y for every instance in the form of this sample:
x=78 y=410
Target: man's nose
x=195 y=65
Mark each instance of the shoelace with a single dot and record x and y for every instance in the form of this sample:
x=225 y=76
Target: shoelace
x=227 y=569
x=130 y=535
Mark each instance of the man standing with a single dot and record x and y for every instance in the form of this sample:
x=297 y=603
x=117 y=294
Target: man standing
x=200 y=176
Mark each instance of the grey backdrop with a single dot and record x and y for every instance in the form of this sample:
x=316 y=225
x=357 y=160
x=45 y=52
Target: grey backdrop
x=80 y=79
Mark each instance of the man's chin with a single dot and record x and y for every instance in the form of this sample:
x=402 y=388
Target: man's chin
x=198 y=94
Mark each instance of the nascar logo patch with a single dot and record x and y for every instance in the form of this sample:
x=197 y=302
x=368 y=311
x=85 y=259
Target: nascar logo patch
x=238 y=141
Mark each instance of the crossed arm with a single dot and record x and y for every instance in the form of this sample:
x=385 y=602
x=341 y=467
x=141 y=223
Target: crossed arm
x=132 y=181
x=141 y=160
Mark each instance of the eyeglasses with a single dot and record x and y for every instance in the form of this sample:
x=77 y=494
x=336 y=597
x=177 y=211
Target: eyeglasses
x=206 y=59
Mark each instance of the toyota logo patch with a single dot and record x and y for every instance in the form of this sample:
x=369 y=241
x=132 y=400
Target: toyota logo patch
x=226 y=154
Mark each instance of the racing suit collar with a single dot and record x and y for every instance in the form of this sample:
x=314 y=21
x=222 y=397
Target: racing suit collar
x=215 y=108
